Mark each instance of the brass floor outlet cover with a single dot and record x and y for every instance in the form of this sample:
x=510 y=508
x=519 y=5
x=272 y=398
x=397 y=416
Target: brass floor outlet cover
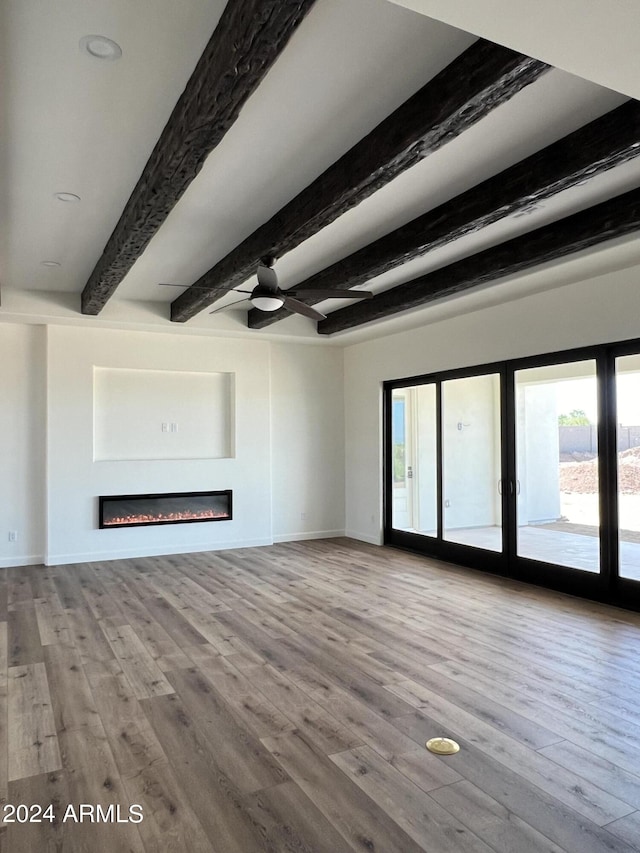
x=442 y=746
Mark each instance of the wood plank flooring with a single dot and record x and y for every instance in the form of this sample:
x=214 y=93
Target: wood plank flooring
x=277 y=700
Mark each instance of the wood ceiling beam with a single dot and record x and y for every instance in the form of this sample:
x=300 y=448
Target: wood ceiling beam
x=480 y=79
x=608 y=141
x=613 y=218
x=249 y=37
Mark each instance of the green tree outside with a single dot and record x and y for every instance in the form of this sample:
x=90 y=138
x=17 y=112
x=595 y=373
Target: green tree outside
x=576 y=417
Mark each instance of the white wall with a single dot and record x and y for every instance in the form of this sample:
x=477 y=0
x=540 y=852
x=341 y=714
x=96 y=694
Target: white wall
x=538 y=453
x=22 y=469
x=75 y=480
x=162 y=414
x=600 y=310
x=50 y=479
x=471 y=466
x=307 y=428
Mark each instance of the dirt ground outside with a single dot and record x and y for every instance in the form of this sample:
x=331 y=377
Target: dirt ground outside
x=579 y=494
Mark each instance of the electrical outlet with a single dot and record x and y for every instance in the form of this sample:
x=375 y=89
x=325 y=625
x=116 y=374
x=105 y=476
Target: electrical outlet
x=174 y=427
x=303 y=516
x=13 y=536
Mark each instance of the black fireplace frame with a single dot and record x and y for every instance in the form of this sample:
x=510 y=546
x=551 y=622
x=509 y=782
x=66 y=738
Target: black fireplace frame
x=102 y=499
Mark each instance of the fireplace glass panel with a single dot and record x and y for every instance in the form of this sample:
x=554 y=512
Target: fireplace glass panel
x=174 y=508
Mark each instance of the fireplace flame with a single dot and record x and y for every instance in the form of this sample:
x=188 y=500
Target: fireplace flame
x=187 y=515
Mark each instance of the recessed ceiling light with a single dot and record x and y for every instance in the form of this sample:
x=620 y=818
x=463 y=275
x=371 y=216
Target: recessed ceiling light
x=100 y=47
x=50 y=263
x=71 y=197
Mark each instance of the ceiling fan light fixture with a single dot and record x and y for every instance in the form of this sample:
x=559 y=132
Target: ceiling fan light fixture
x=267 y=303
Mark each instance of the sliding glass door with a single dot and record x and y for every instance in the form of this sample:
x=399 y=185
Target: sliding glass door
x=627 y=370
x=556 y=484
x=414 y=468
x=402 y=450
x=444 y=469
x=529 y=468
x=472 y=461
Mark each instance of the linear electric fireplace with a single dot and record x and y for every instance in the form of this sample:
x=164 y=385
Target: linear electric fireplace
x=168 y=508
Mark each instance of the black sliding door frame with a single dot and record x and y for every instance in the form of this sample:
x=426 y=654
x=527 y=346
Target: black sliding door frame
x=555 y=575
x=626 y=590
x=493 y=561
x=603 y=586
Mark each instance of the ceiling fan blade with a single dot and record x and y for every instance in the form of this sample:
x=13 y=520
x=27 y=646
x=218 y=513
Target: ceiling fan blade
x=267 y=277
x=330 y=294
x=300 y=308
x=230 y=305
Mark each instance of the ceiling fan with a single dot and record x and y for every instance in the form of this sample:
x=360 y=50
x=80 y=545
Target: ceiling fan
x=267 y=295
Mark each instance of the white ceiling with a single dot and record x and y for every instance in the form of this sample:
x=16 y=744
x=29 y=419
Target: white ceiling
x=595 y=39
x=80 y=125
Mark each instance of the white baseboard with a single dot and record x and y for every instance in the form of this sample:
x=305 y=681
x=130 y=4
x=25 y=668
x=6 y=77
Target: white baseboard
x=132 y=553
x=32 y=560
x=314 y=534
x=364 y=537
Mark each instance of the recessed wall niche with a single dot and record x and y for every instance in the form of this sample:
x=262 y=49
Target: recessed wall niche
x=161 y=414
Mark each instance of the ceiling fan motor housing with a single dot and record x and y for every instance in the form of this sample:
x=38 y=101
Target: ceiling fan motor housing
x=266 y=298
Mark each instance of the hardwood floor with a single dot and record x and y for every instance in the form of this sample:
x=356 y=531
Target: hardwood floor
x=279 y=699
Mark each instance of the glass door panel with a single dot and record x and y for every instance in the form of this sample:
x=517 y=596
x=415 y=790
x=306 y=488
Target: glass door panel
x=414 y=459
x=402 y=461
x=557 y=487
x=628 y=461
x=425 y=470
x=472 y=461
